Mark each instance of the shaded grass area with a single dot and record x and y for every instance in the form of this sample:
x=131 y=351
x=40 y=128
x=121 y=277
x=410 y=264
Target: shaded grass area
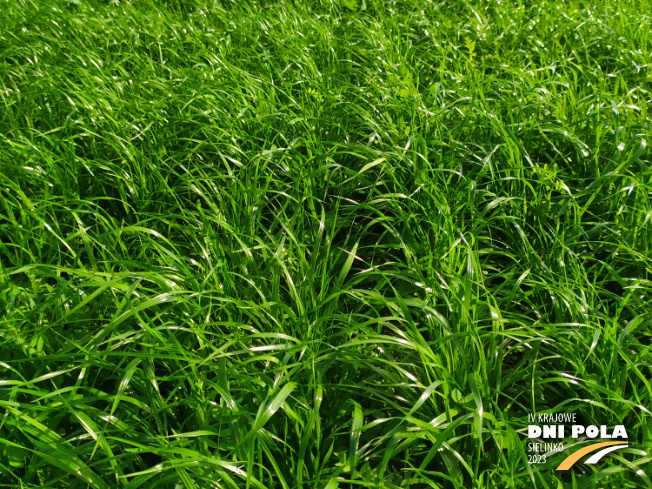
x=321 y=244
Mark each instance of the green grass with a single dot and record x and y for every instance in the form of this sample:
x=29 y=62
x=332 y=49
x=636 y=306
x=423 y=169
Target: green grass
x=322 y=244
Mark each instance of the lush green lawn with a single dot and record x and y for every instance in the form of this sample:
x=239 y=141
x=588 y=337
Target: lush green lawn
x=322 y=244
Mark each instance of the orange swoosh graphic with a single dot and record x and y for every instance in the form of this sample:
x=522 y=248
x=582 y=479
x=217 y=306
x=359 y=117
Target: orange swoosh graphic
x=574 y=457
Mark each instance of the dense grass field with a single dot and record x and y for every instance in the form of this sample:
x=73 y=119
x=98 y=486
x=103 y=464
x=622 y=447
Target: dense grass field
x=322 y=244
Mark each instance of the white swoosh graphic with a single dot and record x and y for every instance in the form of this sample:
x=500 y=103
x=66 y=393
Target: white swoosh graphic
x=595 y=458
